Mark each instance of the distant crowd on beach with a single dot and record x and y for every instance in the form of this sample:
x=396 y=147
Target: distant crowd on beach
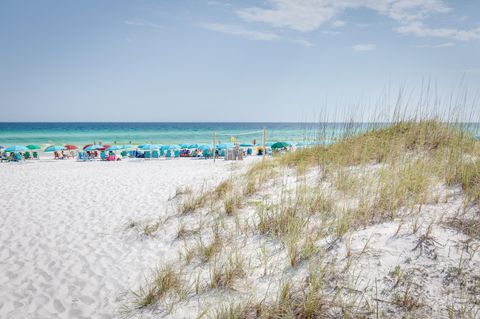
x=115 y=152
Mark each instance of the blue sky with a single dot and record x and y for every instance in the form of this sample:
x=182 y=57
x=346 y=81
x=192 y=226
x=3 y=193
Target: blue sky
x=206 y=60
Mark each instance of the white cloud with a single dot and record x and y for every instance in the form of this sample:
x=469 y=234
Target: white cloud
x=242 y=32
x=308 y=15
x=364 y=47
x=338 y=23
x=141 y=23
x=438 y=46
x=252 y=34
x=420 y=30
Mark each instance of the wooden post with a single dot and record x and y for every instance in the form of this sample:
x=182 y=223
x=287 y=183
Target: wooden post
x=264 y=142
x=214 y=145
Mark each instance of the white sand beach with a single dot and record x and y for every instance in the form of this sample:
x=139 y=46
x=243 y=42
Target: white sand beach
x=72 y=243
x=64 y=251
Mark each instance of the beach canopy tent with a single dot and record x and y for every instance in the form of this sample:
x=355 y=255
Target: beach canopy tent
x=279 y=145
x=114 y=148
x=71 y=147
x=16 y=148
x=33 y=147
x=92 y=147
x=54 y=148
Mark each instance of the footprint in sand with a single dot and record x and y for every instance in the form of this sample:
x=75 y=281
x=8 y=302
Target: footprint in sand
x=58 y=306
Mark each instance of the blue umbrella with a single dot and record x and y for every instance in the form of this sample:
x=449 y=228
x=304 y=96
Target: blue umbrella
x=114 y=148
x=149 y=147
x=170 y=147
x=92 y=147
x=193 y=146
x=16 y=148
x=204 y=147
x=55 y=148
x=184 y=145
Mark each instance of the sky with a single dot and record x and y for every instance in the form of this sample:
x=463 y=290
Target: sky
x=253 y=61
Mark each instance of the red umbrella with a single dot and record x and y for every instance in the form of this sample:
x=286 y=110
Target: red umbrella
x=71 y=147
x=104 y=147
x=87 y=146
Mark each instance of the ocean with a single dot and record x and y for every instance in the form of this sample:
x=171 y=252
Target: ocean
x=172 y=133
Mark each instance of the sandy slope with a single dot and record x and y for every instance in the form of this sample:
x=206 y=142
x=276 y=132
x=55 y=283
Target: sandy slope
x=63 y=249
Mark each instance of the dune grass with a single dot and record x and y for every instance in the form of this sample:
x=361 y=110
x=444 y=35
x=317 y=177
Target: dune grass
x=382 y=174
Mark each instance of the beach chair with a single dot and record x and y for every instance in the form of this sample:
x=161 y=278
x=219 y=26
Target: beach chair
x=222 y=153
x=249 y=151
x=27 y=155
x=148 y=154
x=155 y=154
x=206 y=154
x=131 y=154
x=169 y=154
x=111 y=157
x=177 y=153
x=18 y=157
x=82 y=156
x=162 y=153
x=103 y=156
x=35 y=155
x=124 y=154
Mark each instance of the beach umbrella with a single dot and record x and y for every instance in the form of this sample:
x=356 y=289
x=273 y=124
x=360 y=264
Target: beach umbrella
x=114 y=148
x=170 y=147
x=149 y=147
x=280 y=145
x=92 y=147
x=127 y=146
x=16 y=148
x=54 y=148
x=104 y=147
x=184 y=145
x=193 y=146
x=33 y=147
x=246 y=145
x=204 y=147
x=70 y=147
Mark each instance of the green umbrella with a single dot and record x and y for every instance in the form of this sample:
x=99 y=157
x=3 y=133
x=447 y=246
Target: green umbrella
x=280 y=145
x=33 y=147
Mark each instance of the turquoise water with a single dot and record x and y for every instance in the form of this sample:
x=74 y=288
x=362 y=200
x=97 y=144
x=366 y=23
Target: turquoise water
x=163 y=133
x=171 y=133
